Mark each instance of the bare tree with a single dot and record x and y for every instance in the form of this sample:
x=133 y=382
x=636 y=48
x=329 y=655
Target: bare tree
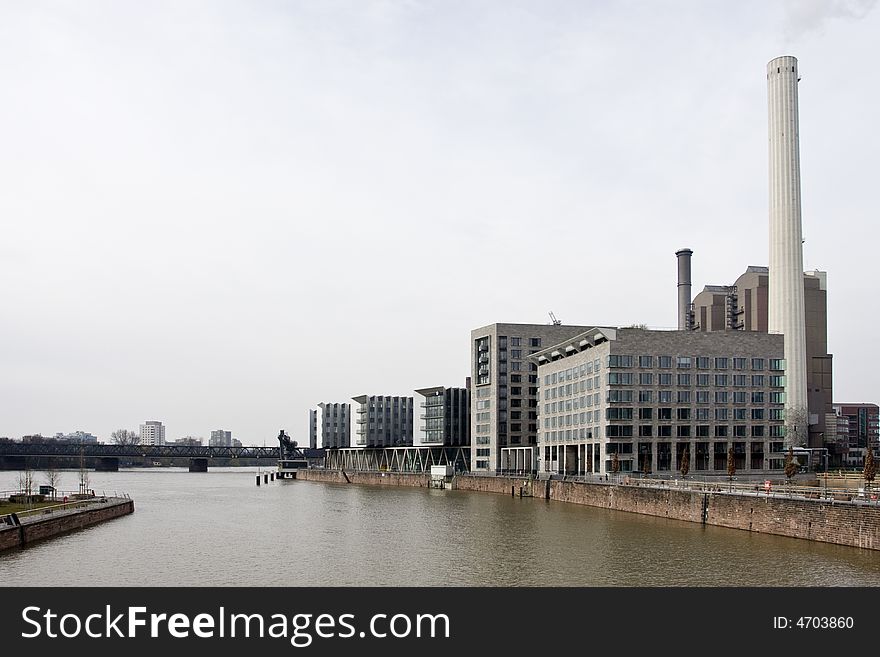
x=685 y=465
x=125 y=437
x=870 y=470
x=84 y=479
x=26 y=481
x=791 y=464
x=796 y=426
x=615 y=463
x=731 y=464
x=53 y=478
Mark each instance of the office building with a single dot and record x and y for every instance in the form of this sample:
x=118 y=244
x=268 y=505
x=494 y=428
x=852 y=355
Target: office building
x=220 y=438
x=858 y=426
x=650 y=396
x=504 y=420
x=333 y=422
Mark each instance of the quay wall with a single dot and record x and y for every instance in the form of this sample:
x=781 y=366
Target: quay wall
x=842 y=523
x=53 y=524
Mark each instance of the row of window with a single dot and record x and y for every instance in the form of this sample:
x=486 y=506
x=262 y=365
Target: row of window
x=738 y=398
x=701 y=380
x=700 y=362
x=666 y=415
x=503 y=341
x=651 y=431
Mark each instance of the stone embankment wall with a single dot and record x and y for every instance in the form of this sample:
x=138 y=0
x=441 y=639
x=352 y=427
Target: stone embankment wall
x=39 y=527
x=843 y=523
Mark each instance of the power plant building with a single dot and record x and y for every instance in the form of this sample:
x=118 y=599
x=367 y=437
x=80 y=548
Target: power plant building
x=650 y=396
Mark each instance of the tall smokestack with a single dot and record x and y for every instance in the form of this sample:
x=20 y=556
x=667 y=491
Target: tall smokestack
x=684 y=288
x=786 y=302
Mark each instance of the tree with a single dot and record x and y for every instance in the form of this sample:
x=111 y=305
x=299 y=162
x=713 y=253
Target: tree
x=125 y=437
x=83 y=474
x=615 y=463
x=53 y=478
x=646 y=465
x=791 y=464
x=870 y=470
x=26 y=481
x=731 y=464
x=685 y=465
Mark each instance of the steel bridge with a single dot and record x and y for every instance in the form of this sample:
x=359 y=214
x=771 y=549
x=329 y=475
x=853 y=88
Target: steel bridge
x=397 y=459
x=92 y=450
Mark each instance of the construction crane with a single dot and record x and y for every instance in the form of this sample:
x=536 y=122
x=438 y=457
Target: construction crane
x=553 y=319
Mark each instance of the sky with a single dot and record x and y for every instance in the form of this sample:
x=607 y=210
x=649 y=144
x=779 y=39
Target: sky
x=217 y=214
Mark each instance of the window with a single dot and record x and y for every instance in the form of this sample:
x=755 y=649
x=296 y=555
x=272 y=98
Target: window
x=739 y=363
x=683 y=362
x=665 y=362
x=720 y=431
x=620 y=395
x=703 y=380
x=721 y=414
x=702 y=396
x=683 y=431
x=515 y=390
x=757 y=380
x=534 y=342
x=739 y=431
x=664 y=413
x=683 y=414
x=777 y=381
x=684 y=379
x=646 y=413
x=664 y=396
x=702 y=363
x=777 y=413
x=684 y=396
x=664 y=432
x=515 y=342
x=703 y=431
x=777 y=364
x=721 y=363
x=646 y=396
x=620 y=361
x=757 y=397
x=620 y=378
x=516 y=353
x=646 y=361
x=703 y=413
x=646 y=379
x=740 y=380
x=664 y=379
x=721 y=380
x=740 y=397
x=757 y=363
x=721 y=397
x=615 y=413
x=758 y=431
x=740 y=414
x=645 y=431
x=515 y=367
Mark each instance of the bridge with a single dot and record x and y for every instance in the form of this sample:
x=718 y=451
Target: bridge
x=15 y=455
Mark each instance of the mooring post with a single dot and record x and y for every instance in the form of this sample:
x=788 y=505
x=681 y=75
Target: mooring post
x=265 y=478
x=258 y=480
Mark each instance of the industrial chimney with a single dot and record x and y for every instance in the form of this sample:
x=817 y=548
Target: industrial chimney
x=684 y=288
x=786 y=293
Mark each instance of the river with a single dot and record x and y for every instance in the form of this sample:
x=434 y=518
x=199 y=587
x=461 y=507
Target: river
x=220 y=529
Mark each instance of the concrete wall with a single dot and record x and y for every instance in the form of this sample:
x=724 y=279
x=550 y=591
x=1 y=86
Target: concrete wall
x=54 y=524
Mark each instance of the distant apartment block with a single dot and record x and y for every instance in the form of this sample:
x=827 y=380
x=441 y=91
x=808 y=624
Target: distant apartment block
x=504 y=394
x=858 y=426
x=384 y=421
x=220 y=438
x=333 y=422
x=445 y=417
x=651 y=396
x=82 y=437
x=152 y=433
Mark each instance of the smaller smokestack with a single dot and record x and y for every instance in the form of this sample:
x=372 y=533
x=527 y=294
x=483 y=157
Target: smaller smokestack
x=684 y=288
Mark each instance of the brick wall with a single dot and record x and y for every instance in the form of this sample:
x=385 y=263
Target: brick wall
x=52 y=525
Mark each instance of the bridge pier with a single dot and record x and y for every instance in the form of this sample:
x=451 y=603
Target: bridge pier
x=110 y=464
x=198 y=465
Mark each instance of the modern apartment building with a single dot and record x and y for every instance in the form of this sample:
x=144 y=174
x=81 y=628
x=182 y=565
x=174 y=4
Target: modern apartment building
x=743 y=306
x=504 y=394
x=445 y=417
x=650 y=396
x=152 y=433
x=333 y=422
x=384 y=421
x=858 y=427
x=220 y=438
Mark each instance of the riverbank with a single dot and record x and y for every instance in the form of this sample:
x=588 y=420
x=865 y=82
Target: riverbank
x=840 y=522
x=50 y=522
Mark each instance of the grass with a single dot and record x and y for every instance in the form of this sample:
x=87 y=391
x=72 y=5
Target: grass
x=7 y=507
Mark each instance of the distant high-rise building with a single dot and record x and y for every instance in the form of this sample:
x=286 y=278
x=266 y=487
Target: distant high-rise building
x=384 y=421
x=152 y=433
x=313 y=428
x=220 y=438
x=333 y=421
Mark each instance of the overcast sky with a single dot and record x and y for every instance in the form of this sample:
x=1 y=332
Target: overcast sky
x=219 y=213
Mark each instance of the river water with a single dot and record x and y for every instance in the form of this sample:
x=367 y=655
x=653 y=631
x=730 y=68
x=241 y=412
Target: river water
x=219 y=528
